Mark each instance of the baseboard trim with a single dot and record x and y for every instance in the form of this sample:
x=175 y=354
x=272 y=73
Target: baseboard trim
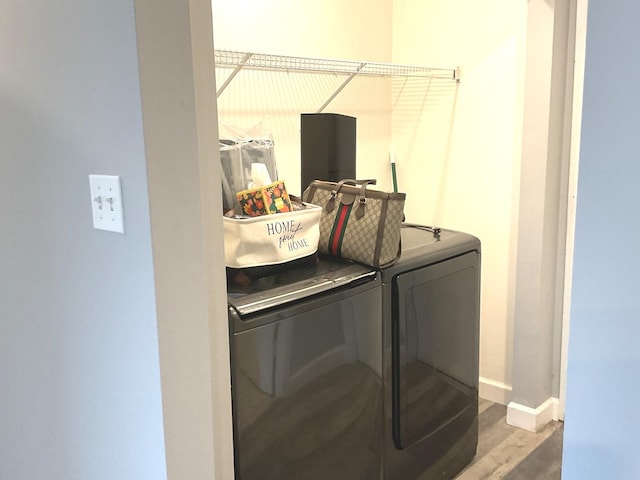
x=533 y=419
x=496 y=392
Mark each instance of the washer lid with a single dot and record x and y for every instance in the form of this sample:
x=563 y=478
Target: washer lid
x=295 y=284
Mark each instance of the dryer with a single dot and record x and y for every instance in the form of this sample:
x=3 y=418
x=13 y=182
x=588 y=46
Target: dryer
x=431 y=300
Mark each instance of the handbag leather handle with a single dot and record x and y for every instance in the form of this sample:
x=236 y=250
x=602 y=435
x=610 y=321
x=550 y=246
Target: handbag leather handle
x=366 y=181
x=362 y=198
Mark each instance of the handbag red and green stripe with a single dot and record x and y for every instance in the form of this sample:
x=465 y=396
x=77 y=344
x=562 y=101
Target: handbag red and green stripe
x=339 y=228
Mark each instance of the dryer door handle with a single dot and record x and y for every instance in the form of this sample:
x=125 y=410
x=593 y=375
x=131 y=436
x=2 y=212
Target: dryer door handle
x=396 y=344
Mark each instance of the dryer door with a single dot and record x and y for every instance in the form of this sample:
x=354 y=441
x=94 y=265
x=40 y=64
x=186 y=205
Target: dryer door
x=434 y=347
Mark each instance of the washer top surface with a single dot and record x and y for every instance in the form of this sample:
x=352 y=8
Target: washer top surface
x=421 y=246
x=295 y=284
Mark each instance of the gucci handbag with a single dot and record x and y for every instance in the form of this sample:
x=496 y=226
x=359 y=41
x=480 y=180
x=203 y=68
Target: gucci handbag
x=357 y=222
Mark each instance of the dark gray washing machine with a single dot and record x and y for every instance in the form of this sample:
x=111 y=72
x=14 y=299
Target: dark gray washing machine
x=341 y=371
x=431 y=300
x=306 y=372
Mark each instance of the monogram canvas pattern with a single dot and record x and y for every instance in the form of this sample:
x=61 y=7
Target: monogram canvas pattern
x=391 y=232
x=364 y=237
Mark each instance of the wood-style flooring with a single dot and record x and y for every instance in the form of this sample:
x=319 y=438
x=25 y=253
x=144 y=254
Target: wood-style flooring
x=510 y=453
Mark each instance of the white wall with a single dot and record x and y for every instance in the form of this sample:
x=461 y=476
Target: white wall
x=458 y=156
x=79 y=362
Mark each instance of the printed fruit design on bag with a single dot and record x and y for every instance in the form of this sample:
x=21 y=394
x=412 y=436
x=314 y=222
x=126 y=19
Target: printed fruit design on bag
x=277 y=198
x=252 y=202
x=266 y=200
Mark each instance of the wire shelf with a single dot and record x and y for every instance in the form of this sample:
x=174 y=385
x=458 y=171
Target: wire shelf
x=349 y=68
x=259 y=61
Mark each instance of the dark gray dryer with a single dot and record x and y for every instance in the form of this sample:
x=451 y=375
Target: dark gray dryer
x=431 y=299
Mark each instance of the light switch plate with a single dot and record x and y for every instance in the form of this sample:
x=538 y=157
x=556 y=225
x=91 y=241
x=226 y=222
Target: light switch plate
x=106 y=203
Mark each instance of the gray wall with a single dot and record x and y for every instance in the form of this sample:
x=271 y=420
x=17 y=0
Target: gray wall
x=542 y=208
x=603 y=380
x=79 y=368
